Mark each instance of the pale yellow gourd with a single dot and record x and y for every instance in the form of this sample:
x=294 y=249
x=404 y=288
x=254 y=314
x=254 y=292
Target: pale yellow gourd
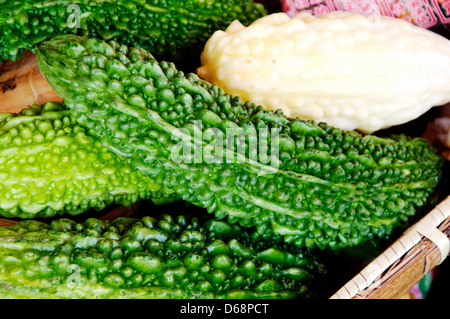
x=351 y=71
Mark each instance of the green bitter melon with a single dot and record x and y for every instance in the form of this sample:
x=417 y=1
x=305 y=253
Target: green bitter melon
x=311 y=183
x=173 y=29
x=173 y=256
x=49 y=166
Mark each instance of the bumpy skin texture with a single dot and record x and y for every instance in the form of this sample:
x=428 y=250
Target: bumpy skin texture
x=318 y=187
x=173 y=29
x=165 y=257
x=50 y=166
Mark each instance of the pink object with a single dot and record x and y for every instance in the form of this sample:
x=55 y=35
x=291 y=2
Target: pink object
x=424 y=13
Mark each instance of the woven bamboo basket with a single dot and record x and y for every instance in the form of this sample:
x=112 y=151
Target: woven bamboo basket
x=392 y=274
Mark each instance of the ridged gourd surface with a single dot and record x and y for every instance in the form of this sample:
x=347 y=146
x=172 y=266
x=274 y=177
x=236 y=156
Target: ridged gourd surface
x=50 y=166
x=313 y=184
x=172 y=256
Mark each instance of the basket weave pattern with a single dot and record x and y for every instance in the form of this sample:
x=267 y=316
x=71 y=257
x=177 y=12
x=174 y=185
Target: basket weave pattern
x=421 y=248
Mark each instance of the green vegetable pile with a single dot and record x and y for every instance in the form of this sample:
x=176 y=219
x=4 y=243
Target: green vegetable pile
x=270 y=189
